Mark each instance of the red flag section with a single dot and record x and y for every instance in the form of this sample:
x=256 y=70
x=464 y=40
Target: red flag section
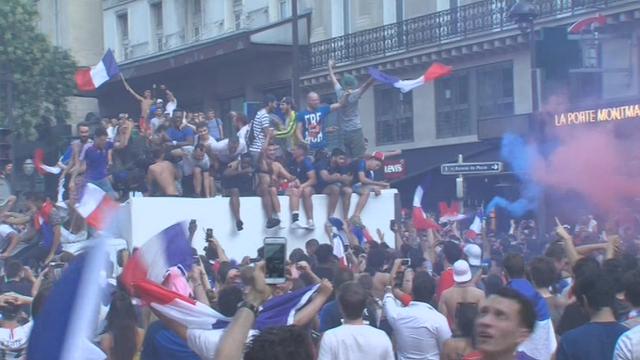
x=437 y=71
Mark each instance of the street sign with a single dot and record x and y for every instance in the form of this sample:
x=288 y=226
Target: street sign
x=479 y=168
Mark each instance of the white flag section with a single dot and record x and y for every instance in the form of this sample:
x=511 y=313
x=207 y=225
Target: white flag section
x=186 y=311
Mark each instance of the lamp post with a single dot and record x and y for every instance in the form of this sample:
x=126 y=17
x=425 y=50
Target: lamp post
x=524 y=13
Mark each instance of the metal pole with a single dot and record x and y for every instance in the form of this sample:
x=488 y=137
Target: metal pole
x=295 y=70
x=537 y=129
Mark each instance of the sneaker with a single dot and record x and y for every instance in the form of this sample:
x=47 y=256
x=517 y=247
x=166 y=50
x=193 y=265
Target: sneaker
x=295 y=217
x=310 y=225
x=296 y=224
x=239 y=225
x=271 y=223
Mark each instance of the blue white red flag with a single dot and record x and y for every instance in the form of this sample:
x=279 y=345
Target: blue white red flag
x=168 y=248
x=96 y=206
x=89 y=79
x=281 y=310
x=67 y=322
x=180 y=308
x=435 y=71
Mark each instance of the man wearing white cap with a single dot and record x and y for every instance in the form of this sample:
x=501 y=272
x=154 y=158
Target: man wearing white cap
x=462 y=293
x=473 y=253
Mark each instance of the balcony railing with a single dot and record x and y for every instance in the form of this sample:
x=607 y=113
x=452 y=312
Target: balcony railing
x=430 y=29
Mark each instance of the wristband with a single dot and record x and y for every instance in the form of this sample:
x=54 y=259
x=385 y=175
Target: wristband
x=254 y=309
x=174 y=142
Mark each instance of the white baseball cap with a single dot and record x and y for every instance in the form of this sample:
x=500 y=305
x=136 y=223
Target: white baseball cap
x=461 y=271
x=474 y=254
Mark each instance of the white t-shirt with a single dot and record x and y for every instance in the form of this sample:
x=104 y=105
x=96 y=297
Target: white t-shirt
x=628 y=346
x=188 y=163
x=221 y=149
x=171 y=106
x=205 y=342
x=5 y=231
x=13 y=342
x=355 y=342
x=243 y=133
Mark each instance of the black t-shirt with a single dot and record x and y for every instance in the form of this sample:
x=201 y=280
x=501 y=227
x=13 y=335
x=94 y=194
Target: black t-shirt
x=22 y=287
x=326 y=165
x=573 y=317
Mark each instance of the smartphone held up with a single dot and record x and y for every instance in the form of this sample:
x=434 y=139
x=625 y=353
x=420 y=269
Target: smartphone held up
x=275 y=253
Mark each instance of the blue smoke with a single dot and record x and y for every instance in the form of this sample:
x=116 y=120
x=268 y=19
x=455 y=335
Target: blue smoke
x=521 y=157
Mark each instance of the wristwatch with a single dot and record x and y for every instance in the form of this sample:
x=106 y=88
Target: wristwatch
x=254 y=309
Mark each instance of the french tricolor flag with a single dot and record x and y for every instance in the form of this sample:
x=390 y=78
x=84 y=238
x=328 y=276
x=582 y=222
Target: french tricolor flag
x=89 y=79
x=96 y=206
x=66 y=325
x=168 y=248
x=435 y=71
x=180 y=308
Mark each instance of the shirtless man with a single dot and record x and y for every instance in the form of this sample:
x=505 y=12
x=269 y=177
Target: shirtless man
x=161 y=176
x=270 y=172
x=463 y=293
x=145 y=101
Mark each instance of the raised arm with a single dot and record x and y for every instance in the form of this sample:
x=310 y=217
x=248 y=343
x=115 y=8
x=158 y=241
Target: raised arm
x=129 y=89
x=341 y=102
x=309 y=312
x=231 y=345
x=332 y=75
x=366 y=86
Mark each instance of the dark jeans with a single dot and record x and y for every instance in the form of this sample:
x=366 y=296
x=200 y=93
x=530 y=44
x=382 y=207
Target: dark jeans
x=32 y=255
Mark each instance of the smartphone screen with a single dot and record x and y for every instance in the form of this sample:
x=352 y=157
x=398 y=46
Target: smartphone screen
x=275 y=252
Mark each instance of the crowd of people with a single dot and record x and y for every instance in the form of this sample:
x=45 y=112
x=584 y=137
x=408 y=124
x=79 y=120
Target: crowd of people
x=173 y=152
x=435 y=291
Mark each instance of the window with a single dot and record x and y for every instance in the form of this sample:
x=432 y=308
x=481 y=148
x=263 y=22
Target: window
x=157 y=25
x=285 y=9
x=394 y=116
x=237 y=13
x=122 y=23
x=196 y=19
x=453 y=110
x=495 y=90
x=472 y=94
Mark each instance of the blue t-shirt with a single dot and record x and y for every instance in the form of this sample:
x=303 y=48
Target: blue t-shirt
x=313 y=123
x=97 y=162
x=214 y=128
x=326 y=165
x=301 y=169
x=361 y=166
x=592 y=341
x=160 y=343
x=180 y=135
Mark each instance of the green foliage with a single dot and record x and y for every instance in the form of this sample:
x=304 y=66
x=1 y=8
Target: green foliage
x=42 y=74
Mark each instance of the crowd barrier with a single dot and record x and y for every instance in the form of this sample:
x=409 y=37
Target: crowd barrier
x=150 y=215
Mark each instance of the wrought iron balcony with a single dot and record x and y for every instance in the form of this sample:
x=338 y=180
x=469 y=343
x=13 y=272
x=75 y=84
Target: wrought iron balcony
x=456 y=23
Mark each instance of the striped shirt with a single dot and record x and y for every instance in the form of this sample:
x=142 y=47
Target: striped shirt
x=258 y=125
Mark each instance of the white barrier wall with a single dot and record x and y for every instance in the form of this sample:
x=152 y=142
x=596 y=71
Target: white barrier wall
x=151 y=215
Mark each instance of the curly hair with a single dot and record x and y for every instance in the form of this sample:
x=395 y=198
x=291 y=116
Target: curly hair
x=280 y=343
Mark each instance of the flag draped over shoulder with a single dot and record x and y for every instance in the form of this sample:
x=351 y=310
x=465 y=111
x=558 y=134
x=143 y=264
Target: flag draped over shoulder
x=435 y=71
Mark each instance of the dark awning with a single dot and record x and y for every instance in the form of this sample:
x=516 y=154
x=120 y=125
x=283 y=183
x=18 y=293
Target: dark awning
x=422 y=160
